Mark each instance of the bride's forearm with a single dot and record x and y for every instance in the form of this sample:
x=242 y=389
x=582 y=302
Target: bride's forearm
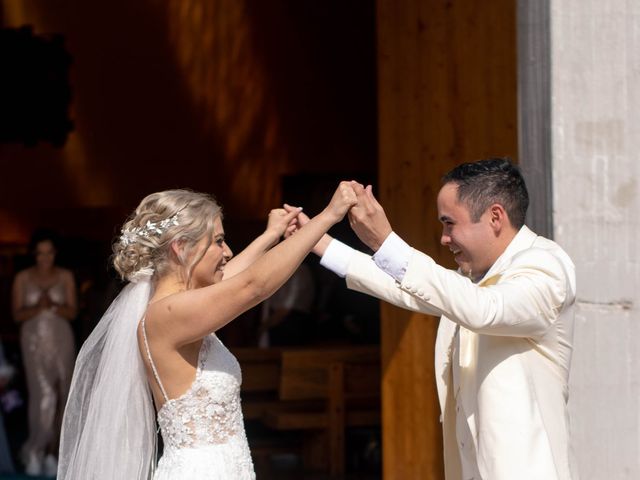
x=249 y=255
x=273 y=268
x=322 y=245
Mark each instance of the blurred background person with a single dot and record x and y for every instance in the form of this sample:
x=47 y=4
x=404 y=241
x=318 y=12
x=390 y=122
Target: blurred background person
x=286 y=318
x=7 y=372
x=43 y=302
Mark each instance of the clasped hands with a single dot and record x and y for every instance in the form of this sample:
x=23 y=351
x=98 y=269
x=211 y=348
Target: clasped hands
x=366 y=216
x=45 y=302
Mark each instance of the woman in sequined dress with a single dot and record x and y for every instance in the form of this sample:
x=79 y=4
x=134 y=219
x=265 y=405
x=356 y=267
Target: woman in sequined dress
x=159 y=334
x=44 y=301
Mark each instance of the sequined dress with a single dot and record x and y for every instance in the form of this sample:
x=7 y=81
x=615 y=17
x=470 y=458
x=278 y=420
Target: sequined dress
x=48 y=352
x=203 y=429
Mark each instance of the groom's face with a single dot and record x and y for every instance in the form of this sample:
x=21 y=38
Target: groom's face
x=470 y=242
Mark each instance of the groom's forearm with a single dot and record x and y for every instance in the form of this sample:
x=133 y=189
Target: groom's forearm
x=336 y=257
x=365 y=275
x=391 y=258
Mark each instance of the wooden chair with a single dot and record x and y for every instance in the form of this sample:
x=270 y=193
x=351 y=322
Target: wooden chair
x=343 y=382
x=260 y=383
x=260 y=379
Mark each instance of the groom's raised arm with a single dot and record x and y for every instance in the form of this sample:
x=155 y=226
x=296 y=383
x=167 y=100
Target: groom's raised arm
x=368 y=275
x=365 y=276
x=525 y=303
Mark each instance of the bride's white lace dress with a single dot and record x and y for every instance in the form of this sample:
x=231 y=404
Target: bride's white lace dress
x=203 y=429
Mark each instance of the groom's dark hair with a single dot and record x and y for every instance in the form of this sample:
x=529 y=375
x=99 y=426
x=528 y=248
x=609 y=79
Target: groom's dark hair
x=493 y=180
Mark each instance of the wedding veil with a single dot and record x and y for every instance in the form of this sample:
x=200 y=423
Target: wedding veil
x=108 y=430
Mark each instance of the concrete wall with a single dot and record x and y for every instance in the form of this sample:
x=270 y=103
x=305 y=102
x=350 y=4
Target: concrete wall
x=595 y=105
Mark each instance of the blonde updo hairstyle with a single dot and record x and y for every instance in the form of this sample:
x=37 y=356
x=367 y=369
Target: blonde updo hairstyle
x=195 y=214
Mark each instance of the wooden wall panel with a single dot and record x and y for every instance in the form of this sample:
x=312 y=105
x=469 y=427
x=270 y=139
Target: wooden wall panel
x=223 y=96
x=446 y=94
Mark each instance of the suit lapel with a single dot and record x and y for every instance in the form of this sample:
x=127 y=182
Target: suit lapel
x=468 y=340
x=523 y=240
x=444 y=344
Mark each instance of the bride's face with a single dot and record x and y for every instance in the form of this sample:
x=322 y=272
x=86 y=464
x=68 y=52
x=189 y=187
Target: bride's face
x=210 y=268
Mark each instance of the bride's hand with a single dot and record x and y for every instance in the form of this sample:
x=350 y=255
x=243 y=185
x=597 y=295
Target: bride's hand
x=300 y=221
x=281 y=220
x=343 y=199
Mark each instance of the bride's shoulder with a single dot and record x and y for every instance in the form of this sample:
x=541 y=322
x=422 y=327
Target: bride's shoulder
x=163 y=306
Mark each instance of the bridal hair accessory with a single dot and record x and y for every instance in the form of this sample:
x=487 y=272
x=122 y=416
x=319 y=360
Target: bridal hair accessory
x=131 y=235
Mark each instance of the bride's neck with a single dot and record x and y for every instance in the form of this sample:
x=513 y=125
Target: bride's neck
x=168 y=285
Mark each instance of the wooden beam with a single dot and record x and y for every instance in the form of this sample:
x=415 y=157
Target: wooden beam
x=446 y=94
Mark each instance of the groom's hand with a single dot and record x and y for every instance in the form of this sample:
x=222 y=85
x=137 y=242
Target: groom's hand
x=367 y=218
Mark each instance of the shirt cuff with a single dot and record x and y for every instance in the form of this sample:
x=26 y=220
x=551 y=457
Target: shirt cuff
x=337 y=257
x=393 y=256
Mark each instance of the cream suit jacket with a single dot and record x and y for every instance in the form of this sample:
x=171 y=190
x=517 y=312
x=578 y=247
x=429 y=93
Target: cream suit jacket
x=516 y=329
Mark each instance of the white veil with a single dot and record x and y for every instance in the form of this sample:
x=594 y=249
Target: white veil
x=108 y=430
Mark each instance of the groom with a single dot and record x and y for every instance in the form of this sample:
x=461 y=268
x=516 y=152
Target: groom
x=504 y=343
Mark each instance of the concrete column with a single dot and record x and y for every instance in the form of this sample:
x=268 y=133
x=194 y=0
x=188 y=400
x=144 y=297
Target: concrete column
x=534 y=110
x=595 y=115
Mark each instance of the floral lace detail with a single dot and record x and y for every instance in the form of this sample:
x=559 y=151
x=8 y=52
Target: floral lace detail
x=203 y=430
x=209 y=412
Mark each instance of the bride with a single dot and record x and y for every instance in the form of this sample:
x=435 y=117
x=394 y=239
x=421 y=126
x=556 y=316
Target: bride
x=160 y=333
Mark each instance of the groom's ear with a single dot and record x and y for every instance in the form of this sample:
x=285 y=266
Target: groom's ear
x=498 y=217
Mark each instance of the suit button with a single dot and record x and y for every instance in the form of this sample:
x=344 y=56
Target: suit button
x=421 y=293
x=409 y=286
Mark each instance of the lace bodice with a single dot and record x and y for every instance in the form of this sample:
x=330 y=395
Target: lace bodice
x=209 y=412
x=203 y=429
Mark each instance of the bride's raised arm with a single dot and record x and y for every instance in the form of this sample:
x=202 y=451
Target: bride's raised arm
x=190 y=315
x=277 y=224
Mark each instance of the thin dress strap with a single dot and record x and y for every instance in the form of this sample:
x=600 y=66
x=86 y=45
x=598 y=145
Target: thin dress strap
x=153 y=365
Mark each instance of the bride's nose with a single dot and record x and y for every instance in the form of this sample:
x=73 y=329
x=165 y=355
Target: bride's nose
x=227 y=253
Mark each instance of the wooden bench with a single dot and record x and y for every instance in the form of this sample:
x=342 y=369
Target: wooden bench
x=260 y=379
x=261 y=369
x=345 y=384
